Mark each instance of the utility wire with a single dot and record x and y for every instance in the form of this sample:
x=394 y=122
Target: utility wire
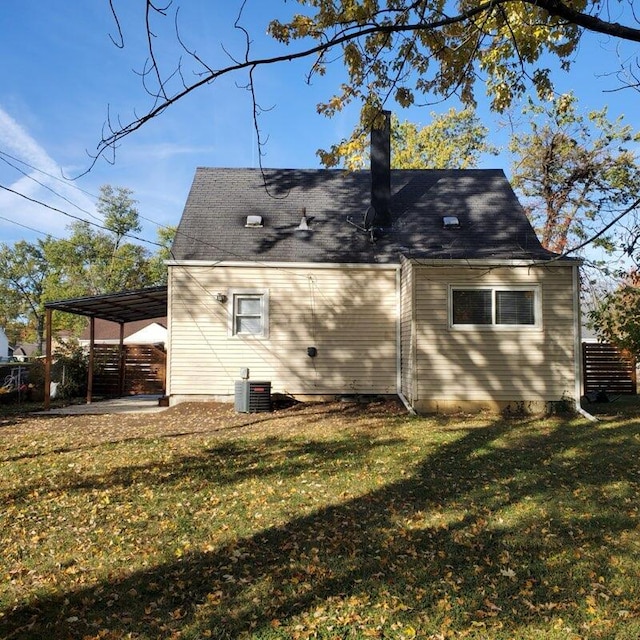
x=66 y=181
x=619 y=217
x=78 y=218
x=47 y=187
x=69 y=184
x=227 y=252
x=24 y=226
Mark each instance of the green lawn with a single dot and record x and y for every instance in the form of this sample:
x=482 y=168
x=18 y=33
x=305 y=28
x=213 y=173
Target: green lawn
x=320 y=521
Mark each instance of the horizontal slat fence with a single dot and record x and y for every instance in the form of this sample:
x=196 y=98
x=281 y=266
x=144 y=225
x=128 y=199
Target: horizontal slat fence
x=144 y=370
x=605 y=368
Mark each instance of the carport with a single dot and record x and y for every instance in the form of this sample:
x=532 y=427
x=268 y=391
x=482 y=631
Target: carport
x=123 y=307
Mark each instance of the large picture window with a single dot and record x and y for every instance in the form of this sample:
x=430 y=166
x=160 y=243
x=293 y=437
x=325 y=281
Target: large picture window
x=494 y=306
x=250 y=313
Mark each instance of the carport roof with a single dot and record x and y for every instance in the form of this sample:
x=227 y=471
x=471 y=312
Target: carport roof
x=126 y=306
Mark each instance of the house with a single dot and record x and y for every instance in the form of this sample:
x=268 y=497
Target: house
x=25 y=352
x=428 y=284
x=152 y=331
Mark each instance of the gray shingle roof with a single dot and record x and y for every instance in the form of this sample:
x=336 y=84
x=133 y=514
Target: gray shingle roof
x=492 y=221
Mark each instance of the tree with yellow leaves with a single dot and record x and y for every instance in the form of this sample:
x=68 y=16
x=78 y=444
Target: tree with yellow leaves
x=400 y=50
x=453 y=140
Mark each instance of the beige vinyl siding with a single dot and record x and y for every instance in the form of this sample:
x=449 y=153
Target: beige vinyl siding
x=348 y=314
x=407 y=331
x=495 y=363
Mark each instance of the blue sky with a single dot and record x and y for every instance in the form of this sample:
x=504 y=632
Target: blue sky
x=62 y=75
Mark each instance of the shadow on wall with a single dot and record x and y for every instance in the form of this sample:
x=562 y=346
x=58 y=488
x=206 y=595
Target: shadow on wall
x=344 y=318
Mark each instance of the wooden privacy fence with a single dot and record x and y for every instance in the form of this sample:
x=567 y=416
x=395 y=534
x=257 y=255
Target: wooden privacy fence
x=605 y=368
x=145 y=367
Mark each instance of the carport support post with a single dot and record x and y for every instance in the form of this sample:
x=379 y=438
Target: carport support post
x=92 y=339
x=47 y=360
x=121 y=362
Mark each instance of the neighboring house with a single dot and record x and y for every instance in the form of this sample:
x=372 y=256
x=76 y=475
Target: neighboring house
x=430 y=284
x=152 y=331
x=25 y=351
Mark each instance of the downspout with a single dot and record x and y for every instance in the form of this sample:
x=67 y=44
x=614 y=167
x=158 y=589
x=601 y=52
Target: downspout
x=168 y=368
x=401 y=395
x=578 y=347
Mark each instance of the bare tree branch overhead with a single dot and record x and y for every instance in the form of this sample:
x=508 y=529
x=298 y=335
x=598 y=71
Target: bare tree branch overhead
x=405 y=51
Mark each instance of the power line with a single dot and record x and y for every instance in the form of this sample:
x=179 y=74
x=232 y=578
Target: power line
x=157 y=224
x=48 y=188
x=195 y=239
x=24 y=226
x=78 y=218
x=69 y=183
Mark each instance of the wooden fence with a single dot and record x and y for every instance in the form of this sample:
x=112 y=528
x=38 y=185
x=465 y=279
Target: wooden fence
x=606 y=369
x=145 y=367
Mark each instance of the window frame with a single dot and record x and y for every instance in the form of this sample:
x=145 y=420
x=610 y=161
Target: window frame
x=493 y=325
x=234 y=295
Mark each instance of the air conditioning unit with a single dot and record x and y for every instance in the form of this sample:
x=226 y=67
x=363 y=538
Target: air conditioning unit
x=252 y=396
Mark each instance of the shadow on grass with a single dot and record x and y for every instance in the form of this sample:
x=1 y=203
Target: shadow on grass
x=493 y=529
x=228 y=463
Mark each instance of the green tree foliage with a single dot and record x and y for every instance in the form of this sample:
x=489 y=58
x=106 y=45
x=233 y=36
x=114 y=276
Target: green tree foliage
x=157 y=270
x=406 y=49
x=453 y=140
x=616 y=319
x=92 y=260
x=576 y=174
x=119 y=211
x=24 y=270
x=71 y=368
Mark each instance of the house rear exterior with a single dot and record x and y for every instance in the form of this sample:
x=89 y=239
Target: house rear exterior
x=428 y=284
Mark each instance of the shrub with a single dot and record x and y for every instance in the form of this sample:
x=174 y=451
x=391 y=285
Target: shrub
x=70 y=368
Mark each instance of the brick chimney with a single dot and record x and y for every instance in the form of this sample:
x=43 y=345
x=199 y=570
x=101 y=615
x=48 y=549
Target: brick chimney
x=380 y=153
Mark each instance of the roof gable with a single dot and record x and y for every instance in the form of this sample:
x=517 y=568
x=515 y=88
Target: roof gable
x=493 y=224
x=107 y=330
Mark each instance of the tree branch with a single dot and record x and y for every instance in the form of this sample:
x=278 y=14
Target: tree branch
x=348 y=32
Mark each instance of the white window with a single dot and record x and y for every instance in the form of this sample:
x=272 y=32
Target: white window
x=249 y=313
x=518 y=306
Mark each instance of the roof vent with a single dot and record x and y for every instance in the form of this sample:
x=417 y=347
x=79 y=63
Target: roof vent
x=254 y=221
x=451 y=222
x=304 y=222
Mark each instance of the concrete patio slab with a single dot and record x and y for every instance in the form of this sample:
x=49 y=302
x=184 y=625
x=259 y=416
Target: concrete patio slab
x=128 y=404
